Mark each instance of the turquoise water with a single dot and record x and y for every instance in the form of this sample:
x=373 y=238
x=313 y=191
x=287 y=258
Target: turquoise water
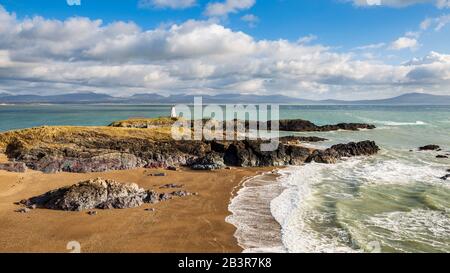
x=391 y=202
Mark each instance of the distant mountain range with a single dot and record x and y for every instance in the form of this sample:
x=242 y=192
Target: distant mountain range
x=93 y=98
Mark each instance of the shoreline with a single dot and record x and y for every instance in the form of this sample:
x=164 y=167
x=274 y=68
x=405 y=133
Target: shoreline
x=194 y=224
x=257 y=230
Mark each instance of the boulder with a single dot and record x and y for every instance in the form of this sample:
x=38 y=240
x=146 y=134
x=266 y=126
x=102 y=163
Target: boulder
x=429 y=148
x=91 y=194
x=336 y=152
x=328 y=156
x=356 y=149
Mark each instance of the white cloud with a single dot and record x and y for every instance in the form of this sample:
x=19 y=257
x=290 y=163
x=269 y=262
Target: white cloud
x=228 y=6
x=251 y=19
x=404 y=43
x=437 y=23
x=80 y=54
x=74 y=2
x=173 y=4
x=307 y=39
x=371 y=46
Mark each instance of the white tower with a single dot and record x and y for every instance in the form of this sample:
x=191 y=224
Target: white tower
x=173 y=113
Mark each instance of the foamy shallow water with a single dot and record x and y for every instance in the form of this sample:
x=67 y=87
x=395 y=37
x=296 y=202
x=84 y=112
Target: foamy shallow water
x=392 y=202
x=361 y=205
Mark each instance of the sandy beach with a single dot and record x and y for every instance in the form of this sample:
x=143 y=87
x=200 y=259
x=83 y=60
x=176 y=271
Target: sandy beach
x=190 y=224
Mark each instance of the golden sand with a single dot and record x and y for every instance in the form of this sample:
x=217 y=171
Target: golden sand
x=190 y=224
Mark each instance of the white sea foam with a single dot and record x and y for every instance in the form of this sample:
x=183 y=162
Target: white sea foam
x=256 y=230
x=427 y=228
x=298 y=211
x=396 y=123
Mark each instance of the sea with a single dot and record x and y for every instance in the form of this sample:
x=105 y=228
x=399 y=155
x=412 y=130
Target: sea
x=391 y=202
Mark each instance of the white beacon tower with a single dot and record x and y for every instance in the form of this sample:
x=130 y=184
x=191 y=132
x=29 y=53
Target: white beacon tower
x=173 y=113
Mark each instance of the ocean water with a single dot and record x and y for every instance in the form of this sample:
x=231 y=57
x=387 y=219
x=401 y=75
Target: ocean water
x=392 y=202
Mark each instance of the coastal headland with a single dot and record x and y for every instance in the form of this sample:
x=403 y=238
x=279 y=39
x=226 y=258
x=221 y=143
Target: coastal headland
x=41 y=160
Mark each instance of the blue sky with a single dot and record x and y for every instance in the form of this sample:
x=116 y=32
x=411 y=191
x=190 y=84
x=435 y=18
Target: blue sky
x=388 y=34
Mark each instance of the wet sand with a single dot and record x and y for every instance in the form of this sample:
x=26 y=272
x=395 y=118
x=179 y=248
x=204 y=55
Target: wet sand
x=191 y=224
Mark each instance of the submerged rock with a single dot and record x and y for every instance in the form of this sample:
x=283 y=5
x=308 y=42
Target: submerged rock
x=429 y=148
x=299 y=125
x=445 y=177
x=441 y=156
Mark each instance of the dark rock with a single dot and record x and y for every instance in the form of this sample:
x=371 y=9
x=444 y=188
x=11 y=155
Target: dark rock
x=328 y=156
x=151 y=197
x=248 y=153
x=300 y=139
x=298 y=155
x=17 y=167
x=448 y=170
x=92 y=213
x=356 y=149
x=299 y=125
x=172 y=168
x=180 y=193
x=171 y=186
x=91 y=194
x=429 y=148
x=158 y=174
x=336 y=152
x=164 y=197
x=212 y=161
x=151 y=210
x=445 y=177
x=441 y=156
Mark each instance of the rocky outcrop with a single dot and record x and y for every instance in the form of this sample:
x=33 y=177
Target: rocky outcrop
x=445 y=177
x=429 y=148
x=104 y=154
x=97 y=194
x=290 y=125
x=300 y=139
x=99 y=149
x=336 y=152
x=299 y=125
x=16 y=167
x=198 y=155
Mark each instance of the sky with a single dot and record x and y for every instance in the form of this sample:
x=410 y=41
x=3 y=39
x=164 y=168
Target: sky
x=314 y=49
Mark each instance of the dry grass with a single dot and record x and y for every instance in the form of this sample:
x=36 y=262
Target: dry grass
x=64 y=135
x=153 y=122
